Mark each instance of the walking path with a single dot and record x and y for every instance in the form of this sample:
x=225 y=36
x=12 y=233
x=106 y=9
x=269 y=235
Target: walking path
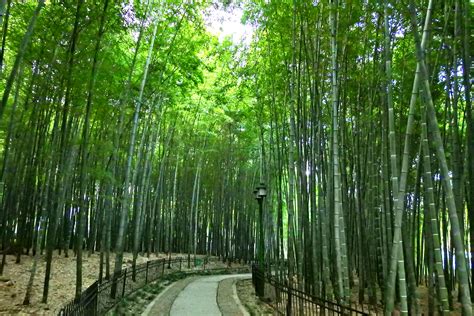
x=207 y=296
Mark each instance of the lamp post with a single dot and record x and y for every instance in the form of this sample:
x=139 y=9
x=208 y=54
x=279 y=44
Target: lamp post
x=260 y=193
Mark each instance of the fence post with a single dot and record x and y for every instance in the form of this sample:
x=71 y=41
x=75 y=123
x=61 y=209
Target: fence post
x=146 y=272
x=180 y=263
x=288 y=304
x=124 y=281
x=260 y=282
x=253 y=275
x=162 y=267
x=96 y=298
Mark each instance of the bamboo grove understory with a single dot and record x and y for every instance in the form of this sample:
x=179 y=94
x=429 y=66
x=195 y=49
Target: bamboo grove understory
x=127 y=126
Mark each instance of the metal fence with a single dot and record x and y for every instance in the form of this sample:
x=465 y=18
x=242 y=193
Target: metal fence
x=287 y=300
x=86 y=304
x=100 y=297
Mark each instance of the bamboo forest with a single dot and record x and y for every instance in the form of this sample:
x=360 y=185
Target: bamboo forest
x=328 y=144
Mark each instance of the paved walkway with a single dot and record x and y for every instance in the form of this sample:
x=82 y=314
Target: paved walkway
x=207 y=296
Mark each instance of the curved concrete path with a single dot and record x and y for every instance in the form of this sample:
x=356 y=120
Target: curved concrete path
x=206 y=296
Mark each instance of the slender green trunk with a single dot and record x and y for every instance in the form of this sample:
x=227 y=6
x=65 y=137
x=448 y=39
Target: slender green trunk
x=84 y=151
x=4 y=25
x=291 y=160
x=339 y=244
x=195 y=205
x=394 y=164
x=466 y=6
x=125 y=204
x=430 y=213
x=396 y=247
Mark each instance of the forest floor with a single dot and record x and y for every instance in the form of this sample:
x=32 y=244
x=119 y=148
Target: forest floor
x=422 y=303
x=62 y=283
x=250 y=301
x=14 y=280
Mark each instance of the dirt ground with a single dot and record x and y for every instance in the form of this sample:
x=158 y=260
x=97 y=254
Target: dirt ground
x=61 y=287
x=250 y=301
x=63 y=279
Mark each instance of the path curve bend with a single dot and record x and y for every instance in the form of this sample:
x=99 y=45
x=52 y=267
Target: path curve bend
x=200 y=296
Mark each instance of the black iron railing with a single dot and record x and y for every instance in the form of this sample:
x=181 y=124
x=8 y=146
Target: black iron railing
x=97 y=298
x=100 y=297
x=86 y=304
x=287 y=300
